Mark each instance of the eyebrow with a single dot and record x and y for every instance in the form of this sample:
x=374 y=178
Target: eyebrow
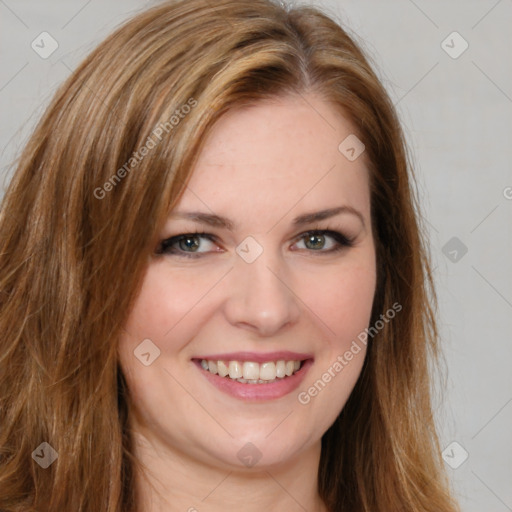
x=218 y=221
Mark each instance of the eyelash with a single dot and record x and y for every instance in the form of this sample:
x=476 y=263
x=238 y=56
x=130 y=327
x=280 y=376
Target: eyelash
x=165 y=246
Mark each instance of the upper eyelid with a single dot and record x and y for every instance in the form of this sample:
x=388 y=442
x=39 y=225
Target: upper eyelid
x=212 y=236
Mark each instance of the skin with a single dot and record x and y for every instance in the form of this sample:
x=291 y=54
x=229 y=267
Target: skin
x=261 y=166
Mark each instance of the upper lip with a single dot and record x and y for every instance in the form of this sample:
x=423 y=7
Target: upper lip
x=257 y=357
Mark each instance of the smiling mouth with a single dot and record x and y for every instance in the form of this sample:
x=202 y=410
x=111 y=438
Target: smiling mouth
x=250 y=372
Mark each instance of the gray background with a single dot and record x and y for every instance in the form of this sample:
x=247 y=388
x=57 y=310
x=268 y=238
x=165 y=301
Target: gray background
x=457 y=115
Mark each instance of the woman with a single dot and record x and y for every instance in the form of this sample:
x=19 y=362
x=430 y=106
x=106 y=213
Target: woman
x=214 y=287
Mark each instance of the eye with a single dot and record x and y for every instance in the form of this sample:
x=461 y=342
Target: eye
x=194 y=245
x=324 y=241
x=187 y=245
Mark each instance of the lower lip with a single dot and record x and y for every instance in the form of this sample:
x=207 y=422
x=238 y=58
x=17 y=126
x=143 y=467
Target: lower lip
x=270 y=391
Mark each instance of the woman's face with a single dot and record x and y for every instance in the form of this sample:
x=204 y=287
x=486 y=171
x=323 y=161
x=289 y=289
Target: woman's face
x=284 y=276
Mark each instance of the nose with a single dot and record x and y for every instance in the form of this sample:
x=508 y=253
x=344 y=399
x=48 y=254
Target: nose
x=261 y=296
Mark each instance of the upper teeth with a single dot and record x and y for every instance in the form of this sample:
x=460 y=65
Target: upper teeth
x=250 y=372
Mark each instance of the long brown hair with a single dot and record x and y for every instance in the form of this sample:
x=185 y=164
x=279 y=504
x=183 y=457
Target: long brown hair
x=80 y=218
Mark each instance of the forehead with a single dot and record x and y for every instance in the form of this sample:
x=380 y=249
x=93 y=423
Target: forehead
x=273 y=155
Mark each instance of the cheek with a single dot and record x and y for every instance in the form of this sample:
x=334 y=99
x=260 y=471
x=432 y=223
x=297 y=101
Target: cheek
x=155 y=313
x=344 y=301
x=165 y=300
x=344 y=305
x=169 y=310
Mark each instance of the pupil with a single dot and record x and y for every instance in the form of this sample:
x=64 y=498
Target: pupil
x=311 y=240
x=189 y=243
